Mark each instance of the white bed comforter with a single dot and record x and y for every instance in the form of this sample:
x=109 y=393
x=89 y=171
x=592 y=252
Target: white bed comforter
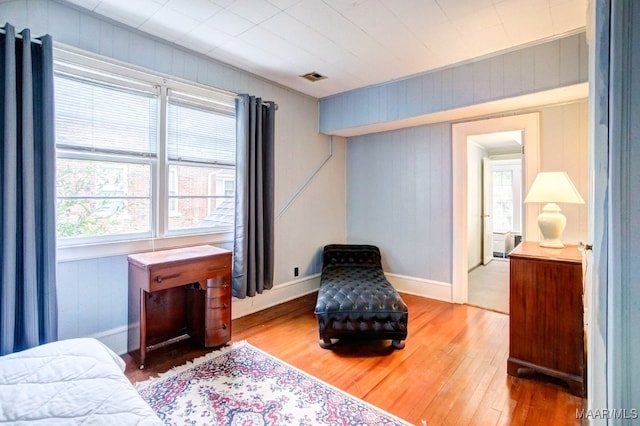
x=75 y=381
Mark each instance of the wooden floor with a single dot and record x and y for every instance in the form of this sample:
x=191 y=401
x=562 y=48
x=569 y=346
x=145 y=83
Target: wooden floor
x=451 y=372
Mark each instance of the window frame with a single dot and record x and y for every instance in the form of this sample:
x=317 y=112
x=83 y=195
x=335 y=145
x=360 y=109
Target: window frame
x=79 y=63
x=497 y=200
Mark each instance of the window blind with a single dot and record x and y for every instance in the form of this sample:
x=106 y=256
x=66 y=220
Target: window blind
x=201 y=132
x=96 y=116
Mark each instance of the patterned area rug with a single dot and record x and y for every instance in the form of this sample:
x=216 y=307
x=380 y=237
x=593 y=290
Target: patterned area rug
x=242 y=385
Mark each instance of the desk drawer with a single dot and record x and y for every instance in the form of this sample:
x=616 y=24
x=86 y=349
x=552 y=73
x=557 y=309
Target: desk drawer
x=218 y=319
x=219 y=281
x=169 y=276
x=223 y=293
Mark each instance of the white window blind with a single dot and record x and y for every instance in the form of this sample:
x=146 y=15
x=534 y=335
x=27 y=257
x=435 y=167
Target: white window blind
x=140 y=157
x=200 y=131
x=106 y=139
x=201 y=149
x=102 y=117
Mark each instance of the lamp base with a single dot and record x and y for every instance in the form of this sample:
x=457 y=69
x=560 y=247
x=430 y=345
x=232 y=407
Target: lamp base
x=551 y=244
x=551 y=223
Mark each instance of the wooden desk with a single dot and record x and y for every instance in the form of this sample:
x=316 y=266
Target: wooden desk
x=546 y=324
x=178 y=293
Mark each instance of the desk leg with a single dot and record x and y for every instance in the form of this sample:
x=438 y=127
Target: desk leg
x=143 y=327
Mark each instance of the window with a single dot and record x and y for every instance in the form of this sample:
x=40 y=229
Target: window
x=503 y=200
x=136 y=154
x=201 y=143
x=173 y=191
x=105 y=158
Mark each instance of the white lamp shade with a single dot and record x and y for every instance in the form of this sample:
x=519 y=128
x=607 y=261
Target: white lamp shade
x=553 y=187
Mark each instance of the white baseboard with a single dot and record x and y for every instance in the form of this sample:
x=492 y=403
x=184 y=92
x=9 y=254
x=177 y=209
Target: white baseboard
x=421 y=287
x=278 y=294
x=116 y=338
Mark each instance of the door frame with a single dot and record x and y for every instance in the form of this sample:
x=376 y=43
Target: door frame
x=530 y=126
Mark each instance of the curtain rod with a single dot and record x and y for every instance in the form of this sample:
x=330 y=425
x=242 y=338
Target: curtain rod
x=18 y=35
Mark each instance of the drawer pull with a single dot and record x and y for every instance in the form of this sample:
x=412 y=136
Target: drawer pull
x=224 y=306
x=168 y=277
x=216 y=268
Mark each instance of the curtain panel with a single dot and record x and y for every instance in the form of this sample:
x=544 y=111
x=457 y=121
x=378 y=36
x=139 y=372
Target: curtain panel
x=254 y=221
x=28 y=303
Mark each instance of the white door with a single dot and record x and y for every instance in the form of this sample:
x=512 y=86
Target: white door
x=487 y=211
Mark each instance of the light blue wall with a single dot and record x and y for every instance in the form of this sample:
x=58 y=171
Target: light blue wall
x=399 y=198
x=90 y=299
x=92 y=292
x=93 y=297
x=400 y=194
x=557 y=63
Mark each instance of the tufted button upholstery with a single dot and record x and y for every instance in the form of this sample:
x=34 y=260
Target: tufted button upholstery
x=355 y=297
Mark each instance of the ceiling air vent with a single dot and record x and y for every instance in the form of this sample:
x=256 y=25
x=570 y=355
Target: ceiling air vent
x=313 y=76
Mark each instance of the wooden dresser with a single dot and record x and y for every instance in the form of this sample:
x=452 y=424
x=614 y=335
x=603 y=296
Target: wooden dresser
x=546 y=327
x=179 y=293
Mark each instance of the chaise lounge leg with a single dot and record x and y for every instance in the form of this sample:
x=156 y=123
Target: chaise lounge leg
x=325 y=343
x=398 y=344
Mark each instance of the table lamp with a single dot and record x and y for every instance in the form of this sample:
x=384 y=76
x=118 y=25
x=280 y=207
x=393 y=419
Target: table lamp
x=551 y=188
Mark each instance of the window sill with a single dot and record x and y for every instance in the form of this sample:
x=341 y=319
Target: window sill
x=92 y=251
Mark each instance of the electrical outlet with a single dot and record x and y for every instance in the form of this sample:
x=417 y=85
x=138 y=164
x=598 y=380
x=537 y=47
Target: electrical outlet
x=295 y=271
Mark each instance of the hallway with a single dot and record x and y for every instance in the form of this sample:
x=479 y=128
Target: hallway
x=489 y=286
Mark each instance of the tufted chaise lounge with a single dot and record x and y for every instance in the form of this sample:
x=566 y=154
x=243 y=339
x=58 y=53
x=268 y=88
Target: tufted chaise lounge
x=356 y=300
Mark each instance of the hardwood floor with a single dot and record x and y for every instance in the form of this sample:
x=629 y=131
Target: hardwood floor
x=453 y=370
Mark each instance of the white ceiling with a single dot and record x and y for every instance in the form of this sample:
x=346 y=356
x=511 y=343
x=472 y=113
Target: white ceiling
x=354 y=43
x=509 y=142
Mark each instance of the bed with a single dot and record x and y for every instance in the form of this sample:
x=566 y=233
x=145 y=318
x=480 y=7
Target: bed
x=355 y=300
x=75 y=381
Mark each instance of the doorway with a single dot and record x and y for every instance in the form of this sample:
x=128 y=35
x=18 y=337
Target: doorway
x=494 y=214
x=528 y=124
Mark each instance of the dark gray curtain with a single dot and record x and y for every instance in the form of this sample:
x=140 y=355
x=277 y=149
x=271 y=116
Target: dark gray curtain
x=28 y=304
x=253 y=246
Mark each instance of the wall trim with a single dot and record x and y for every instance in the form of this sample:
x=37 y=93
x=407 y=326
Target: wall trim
x=530 y=124
x=596 y=284
x=421 y=287
x=115 y=339
x=280 y=293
